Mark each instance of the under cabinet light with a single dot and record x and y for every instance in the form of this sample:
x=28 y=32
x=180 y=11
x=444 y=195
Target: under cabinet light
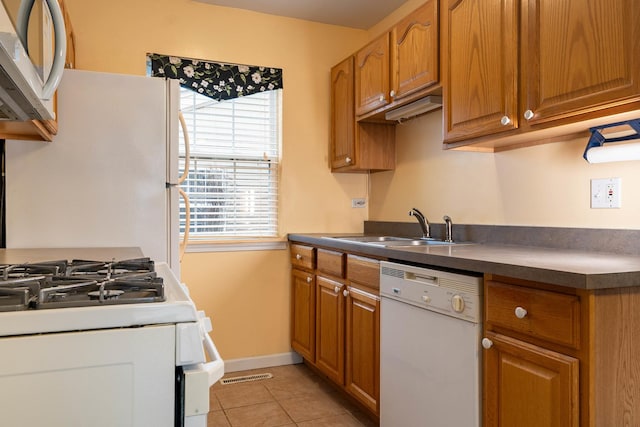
x=420 y=106
x=615 y=142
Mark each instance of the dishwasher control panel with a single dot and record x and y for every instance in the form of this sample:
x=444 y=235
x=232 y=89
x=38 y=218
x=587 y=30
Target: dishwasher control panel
x=452 y=294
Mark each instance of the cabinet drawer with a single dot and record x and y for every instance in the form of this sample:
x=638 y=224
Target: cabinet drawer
x=365 y=271
x=303 y=256
x=331 y=262
x=547 y=315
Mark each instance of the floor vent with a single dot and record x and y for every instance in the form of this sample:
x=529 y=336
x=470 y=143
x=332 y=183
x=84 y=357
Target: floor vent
x=245 y=379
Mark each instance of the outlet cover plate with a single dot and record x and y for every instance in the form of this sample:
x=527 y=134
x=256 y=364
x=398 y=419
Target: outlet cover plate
x=605 y=193
x=358 y=203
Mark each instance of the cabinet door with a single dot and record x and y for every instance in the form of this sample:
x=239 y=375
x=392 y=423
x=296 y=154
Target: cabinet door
x=303 y=314
x=363 y=347
x=480 y=42
x=342 y=115
x=330 y=329
x=529 y=386
x=414 y=51
x=372 y=75
x=579 y=56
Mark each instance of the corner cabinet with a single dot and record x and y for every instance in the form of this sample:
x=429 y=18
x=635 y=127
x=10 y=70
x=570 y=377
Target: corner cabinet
x=355 y=146
x=558 y=356
x=336 y=320
x=514 y=67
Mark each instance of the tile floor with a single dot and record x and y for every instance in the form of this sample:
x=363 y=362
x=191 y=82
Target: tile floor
x=295 y=396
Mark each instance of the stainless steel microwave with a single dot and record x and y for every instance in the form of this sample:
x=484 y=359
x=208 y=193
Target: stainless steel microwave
x=32 y=55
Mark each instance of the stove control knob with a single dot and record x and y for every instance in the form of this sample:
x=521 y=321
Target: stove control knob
x=457 y=303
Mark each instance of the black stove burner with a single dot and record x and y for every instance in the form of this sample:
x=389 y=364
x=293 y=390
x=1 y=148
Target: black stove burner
x=105 y=294
x=79 y=283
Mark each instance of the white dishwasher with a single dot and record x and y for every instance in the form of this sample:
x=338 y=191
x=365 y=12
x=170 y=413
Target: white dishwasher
x=430 y=332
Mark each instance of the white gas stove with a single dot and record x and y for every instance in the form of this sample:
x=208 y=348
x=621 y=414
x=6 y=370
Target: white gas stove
x=106 y=339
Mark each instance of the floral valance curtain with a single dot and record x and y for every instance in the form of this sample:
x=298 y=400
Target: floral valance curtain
x=213 y=79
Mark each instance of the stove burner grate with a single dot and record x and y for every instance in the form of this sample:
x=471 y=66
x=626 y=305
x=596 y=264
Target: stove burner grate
x=79 y=283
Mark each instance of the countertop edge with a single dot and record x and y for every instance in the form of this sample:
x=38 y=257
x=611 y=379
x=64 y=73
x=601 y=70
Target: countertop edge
x=531 y=270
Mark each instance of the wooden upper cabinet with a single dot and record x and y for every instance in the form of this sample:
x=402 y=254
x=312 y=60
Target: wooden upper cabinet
x=578 y=57
x=356 y=146
x=414 y=51
x=372 y=75
x=480 y=71
x=343 y=142
x=518 y=72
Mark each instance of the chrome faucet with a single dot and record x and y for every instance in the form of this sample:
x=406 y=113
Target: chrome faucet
x=422 y=220
x=448 y=229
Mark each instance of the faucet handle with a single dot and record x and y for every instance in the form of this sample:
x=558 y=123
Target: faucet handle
x=448 y=229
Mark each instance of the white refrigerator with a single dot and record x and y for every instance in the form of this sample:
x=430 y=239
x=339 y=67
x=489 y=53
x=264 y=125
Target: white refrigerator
x=109 y=177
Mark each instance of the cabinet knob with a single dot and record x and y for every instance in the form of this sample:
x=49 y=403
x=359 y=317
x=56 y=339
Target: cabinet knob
x=528 y=114
x=520 y=312
x=347 y=160
x=298 y=257
x=487 y=343
x=381 y=99
x=392 y=93
x=336 y=289
x=345 y=292
x=505 y=120
x=309 y=279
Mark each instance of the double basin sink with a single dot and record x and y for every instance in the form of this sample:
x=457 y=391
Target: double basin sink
x=393 y=241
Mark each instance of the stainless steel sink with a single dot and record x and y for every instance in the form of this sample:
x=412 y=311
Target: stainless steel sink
x=380 y=240
x=392 y=241
x=418 y=242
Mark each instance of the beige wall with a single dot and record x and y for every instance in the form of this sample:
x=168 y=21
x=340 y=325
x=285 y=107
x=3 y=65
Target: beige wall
x=246 y=293
x=545 y=185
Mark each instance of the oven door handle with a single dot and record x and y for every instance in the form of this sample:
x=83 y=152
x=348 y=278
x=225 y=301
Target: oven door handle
x=215 y=367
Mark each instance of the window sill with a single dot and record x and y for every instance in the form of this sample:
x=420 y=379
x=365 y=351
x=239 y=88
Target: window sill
x=236 y=246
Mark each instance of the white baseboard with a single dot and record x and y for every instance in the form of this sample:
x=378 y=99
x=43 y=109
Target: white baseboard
x=267 y=361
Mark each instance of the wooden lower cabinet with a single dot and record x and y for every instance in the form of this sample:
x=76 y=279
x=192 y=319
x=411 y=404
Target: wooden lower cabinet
x=335 y=320
x=560 y=356
x=330 y=328
x=529 y=386
x=303 y=313
x=363 y=347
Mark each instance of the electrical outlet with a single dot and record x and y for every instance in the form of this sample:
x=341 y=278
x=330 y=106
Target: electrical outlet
x=358 y=203
x=605 y=193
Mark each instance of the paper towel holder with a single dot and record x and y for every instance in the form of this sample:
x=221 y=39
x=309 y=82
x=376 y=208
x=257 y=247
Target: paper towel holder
x=621 y=135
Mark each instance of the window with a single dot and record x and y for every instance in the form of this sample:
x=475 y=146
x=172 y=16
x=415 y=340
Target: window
x=233 y=176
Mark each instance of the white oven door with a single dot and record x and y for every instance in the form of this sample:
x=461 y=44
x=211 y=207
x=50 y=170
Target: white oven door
x=101 y=378
x=197 y=376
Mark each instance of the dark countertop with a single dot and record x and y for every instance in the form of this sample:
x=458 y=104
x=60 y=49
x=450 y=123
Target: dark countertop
x=581 y=269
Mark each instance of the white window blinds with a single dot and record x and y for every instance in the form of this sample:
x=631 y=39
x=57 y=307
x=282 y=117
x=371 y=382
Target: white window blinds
x=233 y=175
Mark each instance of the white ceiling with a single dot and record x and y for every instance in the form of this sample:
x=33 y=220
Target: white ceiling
x=361 y=14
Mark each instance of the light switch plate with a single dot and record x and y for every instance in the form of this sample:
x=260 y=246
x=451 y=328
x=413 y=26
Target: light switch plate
x=605 y=193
